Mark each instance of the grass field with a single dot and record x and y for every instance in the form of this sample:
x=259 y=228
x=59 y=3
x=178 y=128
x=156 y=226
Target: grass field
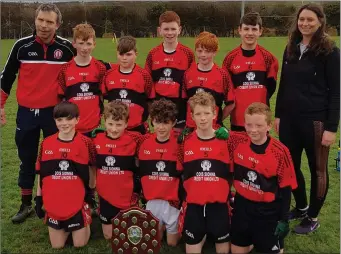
x=32 y=236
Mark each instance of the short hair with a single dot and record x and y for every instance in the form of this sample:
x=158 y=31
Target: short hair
x=126 y=44
x=66 y=109
x=260 y=109
x=47 y=7
x=202 y=99
x=169 y=16
x=208 y=41
x=163 y=111
x=251 y=19
x=84 y=32
x=116 y=110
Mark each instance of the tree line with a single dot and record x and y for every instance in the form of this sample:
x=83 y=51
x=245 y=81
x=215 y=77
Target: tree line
x=140 y=19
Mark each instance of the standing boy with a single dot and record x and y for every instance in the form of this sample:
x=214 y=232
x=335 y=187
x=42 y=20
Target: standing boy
x=168 y=62
x=131 y=84
x=253 y=69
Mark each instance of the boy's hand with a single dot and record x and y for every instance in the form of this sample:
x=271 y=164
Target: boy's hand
x=39 y=207
x=222 y=133
x=184 y=133
x=97 y=130
x=282 y=228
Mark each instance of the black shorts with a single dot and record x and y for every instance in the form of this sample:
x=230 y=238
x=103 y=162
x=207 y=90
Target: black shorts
x=248 y=228
x=211 y=219
x=76 y=222
x=107 y=211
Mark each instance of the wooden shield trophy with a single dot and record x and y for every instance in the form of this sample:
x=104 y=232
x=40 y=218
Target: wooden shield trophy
x=135 y=231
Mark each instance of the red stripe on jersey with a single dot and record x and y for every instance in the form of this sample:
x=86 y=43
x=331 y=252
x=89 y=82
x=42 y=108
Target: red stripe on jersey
x=114 y=180
x=157 y=160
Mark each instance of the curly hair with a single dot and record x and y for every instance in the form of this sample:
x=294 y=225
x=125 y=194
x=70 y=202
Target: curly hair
x=202 y=99
x=163 y=111
x=117 y=110
x=320 y=43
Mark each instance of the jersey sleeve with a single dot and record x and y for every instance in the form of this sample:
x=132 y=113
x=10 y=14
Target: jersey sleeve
x=148 y=85
x=184 y=85
x=229 y=96
x=39 y=158
x=62 y=81
x=272 y=66
x=286 y=171
x=180 y=157
x=102 y=66
x=103 y=86
x=148 y=64
x=91 y=151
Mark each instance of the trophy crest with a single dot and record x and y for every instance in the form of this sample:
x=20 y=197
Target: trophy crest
x=135 y=231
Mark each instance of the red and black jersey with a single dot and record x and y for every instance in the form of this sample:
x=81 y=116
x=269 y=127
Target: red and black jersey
x=38 y=65
x=215 y=81
x=115 y=167
x=254 y=79
x=133 y=88
x=257 y=177
x=167 y=71
x=81 y=85
x=157 y=162
x=206 y=169
x=64 y=174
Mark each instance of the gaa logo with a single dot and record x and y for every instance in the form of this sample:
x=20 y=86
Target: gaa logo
x=199 y=90
x=58 y=54
x=167 y=72
x=84 y=87
x=252 y=176
x=206 y=165
x=63 y=165
x=110 y=161
x=123 y=93
x=250 y=76
x=160 y=165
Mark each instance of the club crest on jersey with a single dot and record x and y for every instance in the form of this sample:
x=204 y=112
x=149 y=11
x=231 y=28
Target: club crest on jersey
x=63 y=165
x=206 y=165
x=160 y=165
x=252 y=176
x=123 y=94
x=167 y=72
x=58 y=54
x=250 y=76
x=110 y=161
x=199 y=90
x=84 y=87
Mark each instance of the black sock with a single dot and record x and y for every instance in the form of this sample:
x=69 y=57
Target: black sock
x=26 y=199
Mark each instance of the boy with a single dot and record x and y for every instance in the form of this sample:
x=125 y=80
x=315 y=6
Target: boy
x=157 y=154
x=263 y=178
x=168 y=62
x=253 y=69
x=63 y=179
x=129 y=83
x=207 y=76
x=80 y=79
x=205 y=164
x=116 y=150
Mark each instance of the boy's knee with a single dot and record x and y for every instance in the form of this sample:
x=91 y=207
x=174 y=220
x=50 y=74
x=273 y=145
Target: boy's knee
x=57 y=245
x=80 y=243
x=107 y=236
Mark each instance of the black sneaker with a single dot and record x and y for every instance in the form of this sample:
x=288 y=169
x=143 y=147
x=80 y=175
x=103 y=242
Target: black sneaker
x=307 y=226
x=297 y=214
x=23 y=213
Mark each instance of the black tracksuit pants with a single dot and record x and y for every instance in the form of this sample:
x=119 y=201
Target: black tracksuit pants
x=29 y=123
x=298 y=133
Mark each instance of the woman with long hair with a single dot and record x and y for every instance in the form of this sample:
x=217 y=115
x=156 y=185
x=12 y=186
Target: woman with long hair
x=308 y=108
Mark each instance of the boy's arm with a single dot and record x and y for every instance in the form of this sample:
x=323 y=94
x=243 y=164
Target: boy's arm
x=272 y=71
x=38 y=199
x=62 y=82
x=148 y=64
x=229 y=96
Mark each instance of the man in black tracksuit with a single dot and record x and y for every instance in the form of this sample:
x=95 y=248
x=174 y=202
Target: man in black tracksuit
x=38 y=59
x=307 y=112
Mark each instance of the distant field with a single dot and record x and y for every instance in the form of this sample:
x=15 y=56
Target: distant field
x=32 y=236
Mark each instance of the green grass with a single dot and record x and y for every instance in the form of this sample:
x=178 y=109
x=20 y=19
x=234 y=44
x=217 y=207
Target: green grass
x=32 y=236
